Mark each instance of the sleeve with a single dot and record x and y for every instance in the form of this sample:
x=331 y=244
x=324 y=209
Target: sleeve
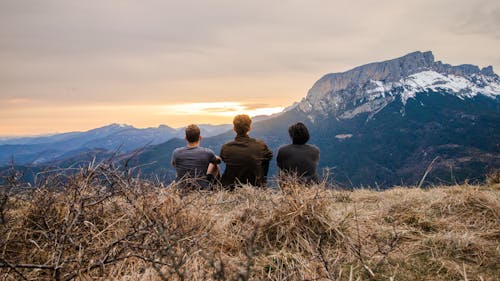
x=174 y=158
x=317 y=154
x=268 y=154
x=222 y=153
x=279 y=158
x=212 y=158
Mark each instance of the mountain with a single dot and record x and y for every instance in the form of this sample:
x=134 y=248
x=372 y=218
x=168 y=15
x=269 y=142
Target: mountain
x=42 y=149
x=113 y=137
x=386 y=123
x=369 y=88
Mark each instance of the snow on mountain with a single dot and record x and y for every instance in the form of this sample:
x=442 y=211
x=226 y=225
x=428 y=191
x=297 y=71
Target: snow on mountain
x=431 y=80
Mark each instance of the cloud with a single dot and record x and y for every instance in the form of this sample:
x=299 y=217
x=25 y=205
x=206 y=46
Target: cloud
x=219 y=109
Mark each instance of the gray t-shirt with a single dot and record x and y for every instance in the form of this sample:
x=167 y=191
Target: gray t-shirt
x=192 y=162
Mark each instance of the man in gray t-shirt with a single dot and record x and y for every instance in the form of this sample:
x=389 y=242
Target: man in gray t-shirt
x=196 y=166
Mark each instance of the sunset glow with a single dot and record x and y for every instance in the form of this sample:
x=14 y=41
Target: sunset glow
x=227 y=109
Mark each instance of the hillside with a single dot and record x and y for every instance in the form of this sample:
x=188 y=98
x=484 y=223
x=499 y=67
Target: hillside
x=102 y=223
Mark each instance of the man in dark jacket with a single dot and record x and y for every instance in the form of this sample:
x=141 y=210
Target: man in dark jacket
x=299 y=159
x=247 y=159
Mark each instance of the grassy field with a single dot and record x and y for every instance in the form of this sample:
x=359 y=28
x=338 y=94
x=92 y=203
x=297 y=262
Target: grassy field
x=103 y=224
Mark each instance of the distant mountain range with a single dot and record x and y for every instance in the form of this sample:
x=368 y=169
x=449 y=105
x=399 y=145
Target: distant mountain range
x=118 y=138
x=380 y=124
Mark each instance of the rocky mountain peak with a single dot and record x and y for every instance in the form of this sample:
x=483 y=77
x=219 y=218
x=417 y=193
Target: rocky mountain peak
x=488 y=71
x=391 y=70
x=370 y=87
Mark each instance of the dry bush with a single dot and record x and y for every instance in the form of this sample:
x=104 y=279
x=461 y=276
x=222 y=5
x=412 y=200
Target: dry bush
x=103 y=223
x=493 y=178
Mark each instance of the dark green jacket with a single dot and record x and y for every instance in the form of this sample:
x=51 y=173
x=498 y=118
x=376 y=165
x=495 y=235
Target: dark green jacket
x=247 y=161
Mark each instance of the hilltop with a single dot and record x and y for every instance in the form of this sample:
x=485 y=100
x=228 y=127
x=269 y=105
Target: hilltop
x=103 y=223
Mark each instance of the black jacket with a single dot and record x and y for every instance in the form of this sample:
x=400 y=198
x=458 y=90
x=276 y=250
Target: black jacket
x=300 y=160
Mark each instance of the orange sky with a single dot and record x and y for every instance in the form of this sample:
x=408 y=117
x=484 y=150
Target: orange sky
x=77 y=65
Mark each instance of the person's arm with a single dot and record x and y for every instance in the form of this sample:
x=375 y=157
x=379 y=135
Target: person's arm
x=213 y=167
x=174 y=157
x=268 y=155
x=279 y=159
x=317 y=154
x=222 y=153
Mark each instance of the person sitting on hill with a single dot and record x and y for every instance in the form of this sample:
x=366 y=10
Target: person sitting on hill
x=299 y=159
x=247 y=159
x=196 y=166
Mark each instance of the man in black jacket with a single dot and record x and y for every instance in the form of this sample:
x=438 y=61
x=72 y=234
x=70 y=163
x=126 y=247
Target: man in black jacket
x=299 y=158
x=247 y=159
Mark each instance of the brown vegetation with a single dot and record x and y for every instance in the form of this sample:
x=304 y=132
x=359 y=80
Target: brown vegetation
x=103 y=223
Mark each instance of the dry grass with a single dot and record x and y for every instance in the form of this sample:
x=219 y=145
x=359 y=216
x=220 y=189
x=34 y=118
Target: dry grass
x=104 y=224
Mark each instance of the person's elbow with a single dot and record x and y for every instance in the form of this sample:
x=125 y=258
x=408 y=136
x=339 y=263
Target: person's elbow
x=217 y=160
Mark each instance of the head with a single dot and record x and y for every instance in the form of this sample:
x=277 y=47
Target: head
x=298 y=133
x=242 y=124
x=193 y=133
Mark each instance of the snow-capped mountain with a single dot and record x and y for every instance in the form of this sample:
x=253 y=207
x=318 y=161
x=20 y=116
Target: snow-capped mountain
x=369 y=88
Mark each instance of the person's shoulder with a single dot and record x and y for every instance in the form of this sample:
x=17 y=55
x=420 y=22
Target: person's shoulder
x=179 y=149
x=312 y=147
x=229 y=143
x=284 y=147
x=206 y=150
x=258 y=141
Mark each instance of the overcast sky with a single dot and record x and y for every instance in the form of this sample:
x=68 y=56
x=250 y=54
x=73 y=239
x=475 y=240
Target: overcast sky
x=75 y=65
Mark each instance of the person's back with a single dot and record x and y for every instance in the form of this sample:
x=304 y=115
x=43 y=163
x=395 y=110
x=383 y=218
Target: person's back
x=247 y=159
x=195 y=165
x=299 y=159
x=192 y=162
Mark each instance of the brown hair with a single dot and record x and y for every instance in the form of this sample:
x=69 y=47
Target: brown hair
x=242 y=124
x=192 y=133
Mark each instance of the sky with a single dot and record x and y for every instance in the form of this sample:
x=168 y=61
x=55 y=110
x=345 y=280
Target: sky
x=77 y=65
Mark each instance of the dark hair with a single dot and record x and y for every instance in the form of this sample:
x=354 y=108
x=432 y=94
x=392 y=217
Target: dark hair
x=242 y=124
x=299 y=133
x=192 y=133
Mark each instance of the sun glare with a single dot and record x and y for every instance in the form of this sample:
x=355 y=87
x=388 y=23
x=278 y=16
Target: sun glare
x=219 y=109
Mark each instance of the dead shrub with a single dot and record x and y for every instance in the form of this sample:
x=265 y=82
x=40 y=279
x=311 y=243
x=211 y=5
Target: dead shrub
x=102 y=223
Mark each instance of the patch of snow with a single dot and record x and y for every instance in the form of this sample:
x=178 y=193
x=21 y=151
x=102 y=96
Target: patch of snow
x=343 y=136
x=458 y=85
x=434 y=81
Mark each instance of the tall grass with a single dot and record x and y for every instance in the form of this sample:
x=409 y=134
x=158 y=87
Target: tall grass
x=103 y=223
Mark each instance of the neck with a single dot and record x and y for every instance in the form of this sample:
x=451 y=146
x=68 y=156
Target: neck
x=193 y=144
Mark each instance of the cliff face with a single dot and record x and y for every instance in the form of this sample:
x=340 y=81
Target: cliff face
x=371 y=87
